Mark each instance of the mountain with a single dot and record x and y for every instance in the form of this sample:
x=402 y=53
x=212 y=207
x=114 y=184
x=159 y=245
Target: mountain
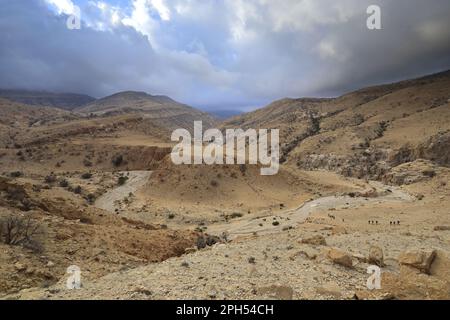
x=224 y=114
x=17 y=118
x=17 y=114
x=165 y=111
x=363 y=133
x=66 y=101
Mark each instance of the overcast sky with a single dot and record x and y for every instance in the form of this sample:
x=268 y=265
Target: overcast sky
x=220 y=54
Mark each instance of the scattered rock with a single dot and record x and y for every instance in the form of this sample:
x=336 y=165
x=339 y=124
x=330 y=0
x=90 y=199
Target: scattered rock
x=440 y=267
x=277 y=292
x=20 y=267
x=340 y=257
x=442 y=228
x=376 y=256
x=417 y=259
x=309 y=253
x=317 y=240
x=142 y=290
x=190 y=250
x=330 y=289
x=338 y=230
x=360 y=257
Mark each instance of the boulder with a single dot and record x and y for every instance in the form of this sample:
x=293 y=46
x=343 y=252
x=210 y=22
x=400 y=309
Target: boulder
x=376 y=256
x=190 y=250
x=308 y=253
x=277 y=292
x=442 y=228
x=20 y=266
x=338 y=230
x=331 y=289
x=315 y=241
x=340 y=257
x=418 y=259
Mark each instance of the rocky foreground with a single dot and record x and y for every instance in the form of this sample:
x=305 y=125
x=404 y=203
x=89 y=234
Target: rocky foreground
x=278 y=268
x=321 y=259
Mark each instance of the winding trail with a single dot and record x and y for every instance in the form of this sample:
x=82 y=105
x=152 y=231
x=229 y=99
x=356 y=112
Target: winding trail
x=269 y=222
x=264 y=224
x=136 y=180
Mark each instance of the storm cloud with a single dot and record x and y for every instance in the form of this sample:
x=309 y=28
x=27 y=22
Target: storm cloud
x=223 y=54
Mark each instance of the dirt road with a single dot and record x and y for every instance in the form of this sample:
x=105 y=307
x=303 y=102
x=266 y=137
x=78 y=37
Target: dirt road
x=272 y=223
x=136 y=180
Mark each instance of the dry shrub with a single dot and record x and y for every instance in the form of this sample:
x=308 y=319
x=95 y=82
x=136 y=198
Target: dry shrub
x=20 y=231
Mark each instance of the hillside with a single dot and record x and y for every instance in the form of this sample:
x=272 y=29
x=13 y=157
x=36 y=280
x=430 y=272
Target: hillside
x=364 y=181
x=363 y=133
x=66 y=101
x=161 y=109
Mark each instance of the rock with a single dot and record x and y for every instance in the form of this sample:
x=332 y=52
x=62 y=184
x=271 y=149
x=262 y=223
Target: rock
x=442 y=228
x=411 y=172
x=315 y=241
x=308 y=253
x=340 y=257
x=359 y=257
x=277 y=292
x=440 y=267
x=338 y=230
x=20 y=267
x=368 y=193
x=212 y=294
x=330 y=289
x=421 y=260
x=142 y=290
x=190 y=250
x=376 y=256
x=50 y=264
x=373 y=295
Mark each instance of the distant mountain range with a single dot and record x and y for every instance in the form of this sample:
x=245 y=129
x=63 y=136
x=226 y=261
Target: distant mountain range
x=66 y=101
x=224 y=114
x=166 y=112
x=162 y=110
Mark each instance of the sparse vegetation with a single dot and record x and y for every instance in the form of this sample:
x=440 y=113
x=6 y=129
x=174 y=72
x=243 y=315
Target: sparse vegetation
x=91 y=198
x=87 y=163
x=64 y=183
x=117 y=160
x=122 y=180
x=86 y=176
x=214 y=183
x=16 y=174
x=50 y=179
x=19 y=231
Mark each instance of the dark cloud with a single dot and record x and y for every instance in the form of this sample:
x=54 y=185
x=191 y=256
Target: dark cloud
x=221 y=54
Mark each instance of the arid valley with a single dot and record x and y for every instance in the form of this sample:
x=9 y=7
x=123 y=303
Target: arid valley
x=364 y=180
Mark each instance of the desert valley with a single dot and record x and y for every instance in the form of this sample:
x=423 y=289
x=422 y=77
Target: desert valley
x=364 y=180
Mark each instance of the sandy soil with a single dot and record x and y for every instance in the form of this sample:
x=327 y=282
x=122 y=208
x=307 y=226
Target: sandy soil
x=136 y=179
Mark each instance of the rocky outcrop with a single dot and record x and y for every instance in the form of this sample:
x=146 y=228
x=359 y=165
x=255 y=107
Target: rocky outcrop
x=418 y=259
x=340 y=257
x=315 y=241
x=410 y=173
x=369 y=164
x=376 y=256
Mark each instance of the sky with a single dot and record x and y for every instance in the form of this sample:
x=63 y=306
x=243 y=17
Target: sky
x=219 y=54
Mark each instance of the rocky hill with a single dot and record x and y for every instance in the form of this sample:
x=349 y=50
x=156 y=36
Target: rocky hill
x=363 y=133
x=66 y=101
x=163 y=110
